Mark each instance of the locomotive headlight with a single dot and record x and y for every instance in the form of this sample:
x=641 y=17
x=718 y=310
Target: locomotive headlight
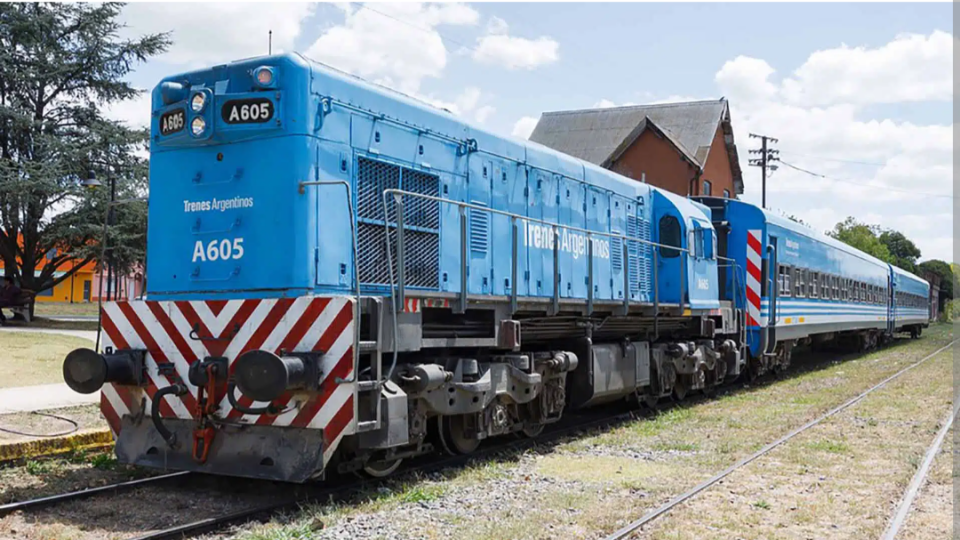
x=198 y=101
x=198 y=126
x=264 y=76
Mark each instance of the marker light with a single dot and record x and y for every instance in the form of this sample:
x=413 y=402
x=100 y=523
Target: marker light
x=198 y=125
x=198 y=101
x=264 y=76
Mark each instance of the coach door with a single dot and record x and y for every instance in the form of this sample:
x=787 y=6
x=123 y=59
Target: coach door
x=771 y=285
x=891 y=308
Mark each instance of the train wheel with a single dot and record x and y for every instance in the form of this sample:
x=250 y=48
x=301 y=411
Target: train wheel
x=453 y=436
x=680 y=389
x=533 y=430
x=381 y=469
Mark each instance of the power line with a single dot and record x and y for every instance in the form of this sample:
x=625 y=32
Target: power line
x=862 y=184
x=824 y=158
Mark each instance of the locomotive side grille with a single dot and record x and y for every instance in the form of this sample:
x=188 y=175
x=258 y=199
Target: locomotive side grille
x=479 y=229
x=639 y=270
x=421 y=224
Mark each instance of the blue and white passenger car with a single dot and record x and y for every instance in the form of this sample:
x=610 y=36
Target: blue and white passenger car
x=804 y=286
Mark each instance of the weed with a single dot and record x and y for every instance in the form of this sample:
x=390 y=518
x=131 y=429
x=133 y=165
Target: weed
x=104 y=462
x=761 y=504
x=826 y=445
x=37 y=467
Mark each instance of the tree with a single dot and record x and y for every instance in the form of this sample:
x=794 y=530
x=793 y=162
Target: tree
x=59 y=65
x=903 y=252
x=861 y=236
x=945 y=272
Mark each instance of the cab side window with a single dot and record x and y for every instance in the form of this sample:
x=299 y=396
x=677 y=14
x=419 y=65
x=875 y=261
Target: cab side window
x=669 y=236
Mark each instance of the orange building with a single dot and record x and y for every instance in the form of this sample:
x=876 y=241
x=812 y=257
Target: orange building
x=77 y=288
x=686 y=148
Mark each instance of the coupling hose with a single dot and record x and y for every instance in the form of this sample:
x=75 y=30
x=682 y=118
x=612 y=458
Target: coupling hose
x=176 y=390
x=270 y=409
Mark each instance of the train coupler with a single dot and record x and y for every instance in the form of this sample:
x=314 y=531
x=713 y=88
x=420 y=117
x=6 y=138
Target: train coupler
x=208 y=376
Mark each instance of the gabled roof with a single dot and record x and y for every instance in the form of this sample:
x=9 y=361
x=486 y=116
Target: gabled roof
x=601 y=135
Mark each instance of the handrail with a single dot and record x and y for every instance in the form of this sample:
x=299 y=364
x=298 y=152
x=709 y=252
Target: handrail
x=356 y=269
x=526 y=218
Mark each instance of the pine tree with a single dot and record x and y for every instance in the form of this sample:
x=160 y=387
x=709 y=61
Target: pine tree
x=60 y=64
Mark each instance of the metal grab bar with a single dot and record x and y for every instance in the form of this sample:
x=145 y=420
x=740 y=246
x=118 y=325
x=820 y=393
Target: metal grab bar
x=198 y=179
x=195 y=230
x=356 y=270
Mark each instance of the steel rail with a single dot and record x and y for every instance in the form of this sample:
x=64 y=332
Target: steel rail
x=903 y=509
x=51 y=500
x=654 y=514
x=213 y=524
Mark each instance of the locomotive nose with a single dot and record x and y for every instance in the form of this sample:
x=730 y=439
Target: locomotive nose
x=86 y=371
x=264 y=376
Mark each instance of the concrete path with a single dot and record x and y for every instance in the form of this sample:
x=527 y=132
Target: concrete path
x=85 y=334
x=42 y=397
x=45 y=396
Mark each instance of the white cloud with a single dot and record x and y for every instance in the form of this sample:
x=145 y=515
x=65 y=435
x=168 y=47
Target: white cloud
x=465 y=103
x=912 y=67
x=135 y=113
x=524 y=127
x=483 y=113
x=210 y=33
x=396 y=45
x=499 y=48
x=824 y=126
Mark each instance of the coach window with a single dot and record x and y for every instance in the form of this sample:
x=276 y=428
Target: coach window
x=834 y=287
x=669 y=236
x=799 y=283
x=784 y=280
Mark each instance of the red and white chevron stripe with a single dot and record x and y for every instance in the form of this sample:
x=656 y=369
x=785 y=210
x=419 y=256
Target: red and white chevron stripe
x=303 y=324
x=754 y=277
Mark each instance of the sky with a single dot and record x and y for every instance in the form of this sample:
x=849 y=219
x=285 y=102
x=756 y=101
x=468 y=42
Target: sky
x=859 y=94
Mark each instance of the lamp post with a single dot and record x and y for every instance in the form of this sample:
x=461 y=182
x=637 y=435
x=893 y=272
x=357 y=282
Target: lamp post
x=92 y=182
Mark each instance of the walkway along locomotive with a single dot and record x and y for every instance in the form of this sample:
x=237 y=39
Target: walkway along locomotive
x=343 y=277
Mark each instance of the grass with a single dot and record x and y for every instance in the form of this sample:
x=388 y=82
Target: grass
x=65 y=309
x=32 y=358
x=599 y=482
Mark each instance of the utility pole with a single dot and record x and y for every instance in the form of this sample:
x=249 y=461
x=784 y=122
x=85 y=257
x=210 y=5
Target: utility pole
x=766 y=156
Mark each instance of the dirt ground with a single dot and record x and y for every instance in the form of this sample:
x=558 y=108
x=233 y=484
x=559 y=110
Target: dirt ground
x=86 y=417
x=839 y=480
x=31 y=358
x=931 y=514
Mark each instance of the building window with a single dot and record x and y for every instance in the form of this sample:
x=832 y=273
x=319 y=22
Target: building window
x=707 y=188
x=726 y=194
x=47 y=293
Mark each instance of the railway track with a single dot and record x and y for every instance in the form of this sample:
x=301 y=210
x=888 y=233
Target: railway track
x=42 y=502
x=913 y=489
x=636 y=525
x=344 y=486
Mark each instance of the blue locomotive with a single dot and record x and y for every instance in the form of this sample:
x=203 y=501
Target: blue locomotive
x=342 y=277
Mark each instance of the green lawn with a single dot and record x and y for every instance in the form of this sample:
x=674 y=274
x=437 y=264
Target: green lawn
x=28 y=358
x=65 y=309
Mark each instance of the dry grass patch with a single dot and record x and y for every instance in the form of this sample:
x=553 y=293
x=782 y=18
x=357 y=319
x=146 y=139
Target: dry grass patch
x=31 y=358
x=932 y=511
x=86 y=417
x=840 y=479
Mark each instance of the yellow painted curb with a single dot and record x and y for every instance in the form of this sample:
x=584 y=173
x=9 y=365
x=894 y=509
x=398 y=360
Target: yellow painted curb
x=32 y=448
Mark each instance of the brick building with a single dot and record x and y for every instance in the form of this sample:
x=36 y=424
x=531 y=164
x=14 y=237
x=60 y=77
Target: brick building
x=686 y=148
